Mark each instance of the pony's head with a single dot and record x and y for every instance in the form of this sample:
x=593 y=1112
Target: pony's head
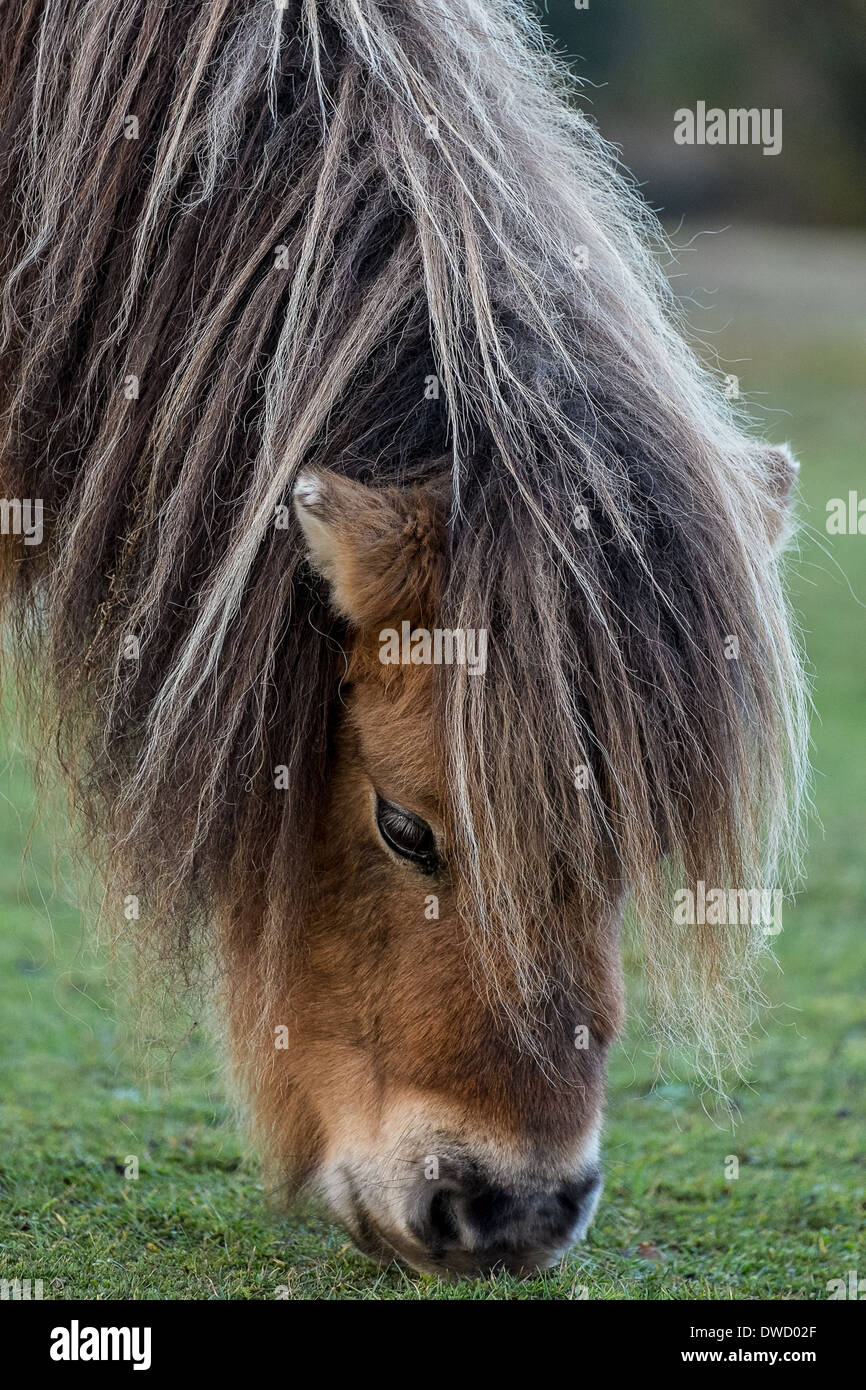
x=408 y=600
x=402 y=1078
x=433 y=1128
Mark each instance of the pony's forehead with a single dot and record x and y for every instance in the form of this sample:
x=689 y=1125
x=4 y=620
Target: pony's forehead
x=392 y=711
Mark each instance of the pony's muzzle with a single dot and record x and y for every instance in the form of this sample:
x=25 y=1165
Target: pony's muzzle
x=470 y=1225
x=425 y=1191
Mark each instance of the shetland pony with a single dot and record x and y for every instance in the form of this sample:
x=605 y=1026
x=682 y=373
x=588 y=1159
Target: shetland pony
x=320 y=319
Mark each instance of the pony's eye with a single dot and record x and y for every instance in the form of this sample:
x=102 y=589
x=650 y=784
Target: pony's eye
x=407 y=835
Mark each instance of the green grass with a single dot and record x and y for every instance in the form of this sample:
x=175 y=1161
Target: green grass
x=196 y=1224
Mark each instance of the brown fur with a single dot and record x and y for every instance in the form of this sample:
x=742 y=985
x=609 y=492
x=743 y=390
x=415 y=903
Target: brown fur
x=376 y=1005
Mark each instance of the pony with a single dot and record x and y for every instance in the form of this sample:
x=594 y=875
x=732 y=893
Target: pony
x=334 y=324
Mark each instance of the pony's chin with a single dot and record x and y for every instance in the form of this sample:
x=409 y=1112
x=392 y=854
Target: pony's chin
x=482 y=1209
x=384 y=1246
x=383 y=1251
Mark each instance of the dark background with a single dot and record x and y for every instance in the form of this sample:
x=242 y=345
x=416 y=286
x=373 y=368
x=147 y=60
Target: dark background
x=642 y=59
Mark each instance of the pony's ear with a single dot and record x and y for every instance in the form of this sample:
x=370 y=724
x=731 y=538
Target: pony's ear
x=380 y=550
x=781 y=469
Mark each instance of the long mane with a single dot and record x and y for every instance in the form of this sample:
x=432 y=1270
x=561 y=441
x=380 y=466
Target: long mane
x=239 y=239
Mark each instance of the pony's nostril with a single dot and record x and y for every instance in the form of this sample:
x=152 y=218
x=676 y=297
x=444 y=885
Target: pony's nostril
x=480 y=1224
x=540 y=1220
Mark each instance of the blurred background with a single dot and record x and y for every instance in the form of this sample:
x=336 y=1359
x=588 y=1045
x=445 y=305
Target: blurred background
x=641 y=60
x=770 y=261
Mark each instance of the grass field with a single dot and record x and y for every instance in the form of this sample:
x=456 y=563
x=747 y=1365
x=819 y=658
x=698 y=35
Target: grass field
x=196 y=1224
